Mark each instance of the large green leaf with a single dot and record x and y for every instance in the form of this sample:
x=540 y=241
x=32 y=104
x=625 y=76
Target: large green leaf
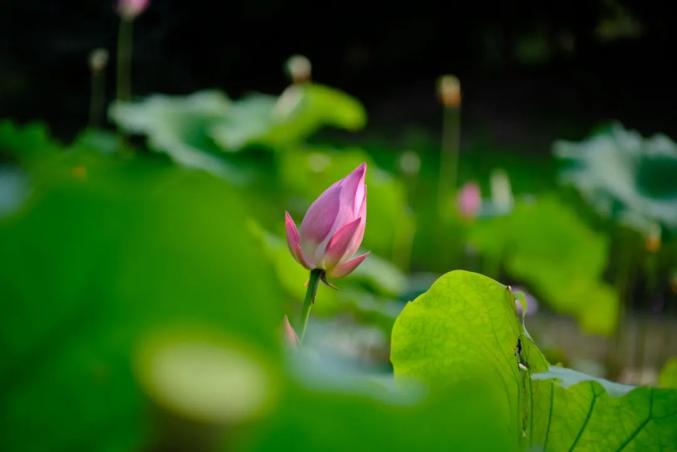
x=544 y=244
x=105 y=252
x=625 y=176
x=465 y=327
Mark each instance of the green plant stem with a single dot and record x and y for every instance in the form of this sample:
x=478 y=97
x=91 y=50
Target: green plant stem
x=124 y=60
x=313 y=283
x=643 y=320
x=451 y=134
x=96 y=103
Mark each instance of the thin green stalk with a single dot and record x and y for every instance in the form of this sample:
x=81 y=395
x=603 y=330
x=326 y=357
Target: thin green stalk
x=96 y=104
x=451 y=134
x=124 y=60
x=643 y=320
x=313 y=283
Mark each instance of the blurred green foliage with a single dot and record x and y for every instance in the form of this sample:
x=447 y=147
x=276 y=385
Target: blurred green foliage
x=105 y=251
x=545 y=245
x=668 y=375
x=624 y=176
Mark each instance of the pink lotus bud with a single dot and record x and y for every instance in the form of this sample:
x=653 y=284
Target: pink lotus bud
x=130 y=9
x=469 y=200
x=290 y=336
x=333 y=228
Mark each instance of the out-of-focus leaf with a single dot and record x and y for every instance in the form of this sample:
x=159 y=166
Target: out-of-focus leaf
x=668 y=375
x=25 y=143
x=381 y=276
x=625 y=176
x=199 y=130
x=97 y=140
x=302 y=109
x=465 y=328
x=14 y=188
x=373 y=419
x=546 y=246
x=309 y=172
x=298 y=113
x=180 y=126
x=206 y=377
x=246 y=122
x=99 y=258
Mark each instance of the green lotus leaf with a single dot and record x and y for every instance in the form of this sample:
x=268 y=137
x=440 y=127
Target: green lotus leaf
x=465 y=328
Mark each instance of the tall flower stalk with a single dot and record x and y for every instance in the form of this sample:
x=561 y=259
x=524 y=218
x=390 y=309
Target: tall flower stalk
x=331 y=233
x=98 y=60
x=449 y=90
x=128 y=10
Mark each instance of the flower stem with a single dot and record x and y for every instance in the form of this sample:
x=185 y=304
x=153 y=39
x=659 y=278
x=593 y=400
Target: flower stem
x=451 y=134
x=313 y=283
x=97 y=99
x=124 y=60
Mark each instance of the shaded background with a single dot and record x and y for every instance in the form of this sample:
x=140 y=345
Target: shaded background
x=531 y=71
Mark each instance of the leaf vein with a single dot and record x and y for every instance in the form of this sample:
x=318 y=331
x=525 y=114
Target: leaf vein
x=641 y=426
x=587 y=417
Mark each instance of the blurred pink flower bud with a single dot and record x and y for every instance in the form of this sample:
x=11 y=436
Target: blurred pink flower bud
x=531 y=302
x=290 y=336
x=469 y=200
x=333 y=228
x=130 y=9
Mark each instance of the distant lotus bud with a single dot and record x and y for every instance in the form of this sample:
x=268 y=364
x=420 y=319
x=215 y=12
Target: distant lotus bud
x=449 y=90
x=98 y=59
x=290 y=336
x=131 y=9
x=333 y=227
x=469 y=200
x=299 y=69
x=653 y=239
x=501 y=191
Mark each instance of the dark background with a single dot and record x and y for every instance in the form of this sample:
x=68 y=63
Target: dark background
x=531 y=71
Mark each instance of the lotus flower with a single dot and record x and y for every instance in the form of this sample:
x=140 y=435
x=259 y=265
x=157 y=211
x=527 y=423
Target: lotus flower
x=130 y=9
x=469 y=200
x=333 y=228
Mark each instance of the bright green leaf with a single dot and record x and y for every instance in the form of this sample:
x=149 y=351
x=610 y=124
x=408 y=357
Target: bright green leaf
x=465 y=328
